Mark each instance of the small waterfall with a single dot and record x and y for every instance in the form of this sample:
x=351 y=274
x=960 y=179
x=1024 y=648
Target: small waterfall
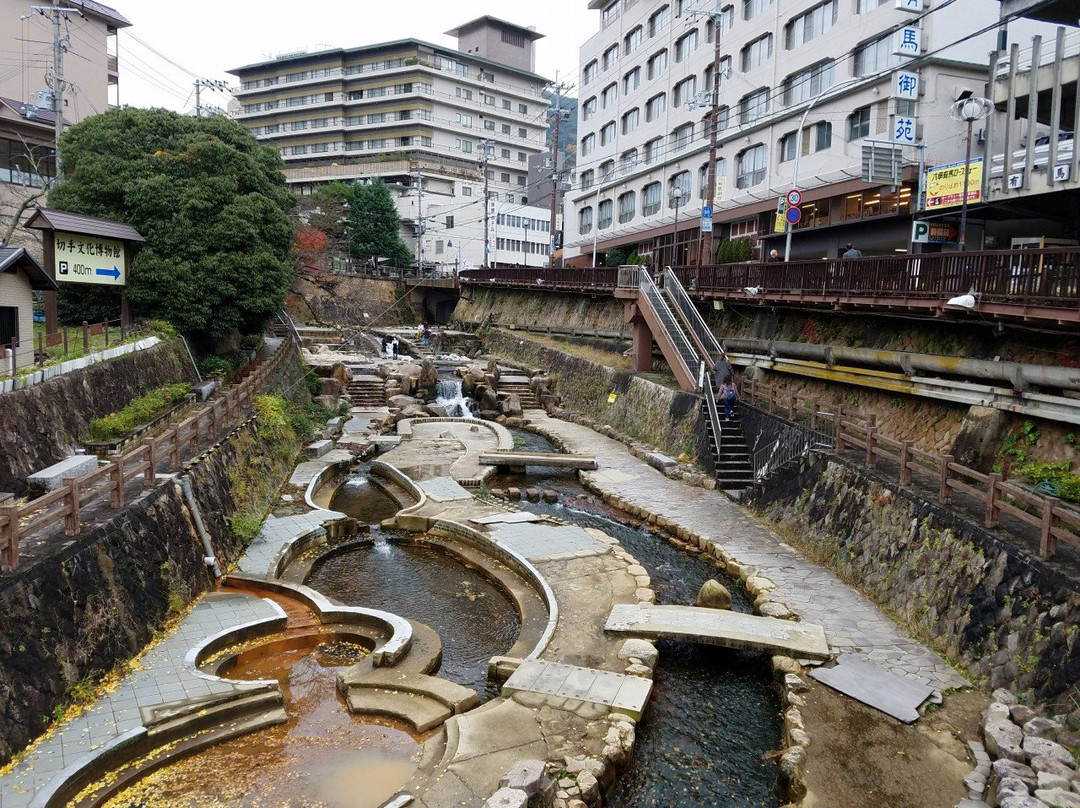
x=457 y=405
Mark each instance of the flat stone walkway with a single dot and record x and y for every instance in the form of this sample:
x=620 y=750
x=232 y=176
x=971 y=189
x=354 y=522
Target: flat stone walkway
x=260 y=555
x=163 y=675
x=852 y=623
x=555 y=683
x=719 y=627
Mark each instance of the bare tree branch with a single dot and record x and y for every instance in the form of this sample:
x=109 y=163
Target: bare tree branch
x=31 y=197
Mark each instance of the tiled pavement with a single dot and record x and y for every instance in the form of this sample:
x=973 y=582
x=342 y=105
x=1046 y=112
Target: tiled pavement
x=537 y=542
x=852 y=623
x=162 y=677
x=263 y=550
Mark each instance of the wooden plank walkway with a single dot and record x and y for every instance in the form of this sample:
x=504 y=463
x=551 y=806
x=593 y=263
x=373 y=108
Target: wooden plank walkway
x=563 y=461
x=719 y=627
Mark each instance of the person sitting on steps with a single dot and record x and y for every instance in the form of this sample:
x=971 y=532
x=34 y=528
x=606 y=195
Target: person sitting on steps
x=728 y=393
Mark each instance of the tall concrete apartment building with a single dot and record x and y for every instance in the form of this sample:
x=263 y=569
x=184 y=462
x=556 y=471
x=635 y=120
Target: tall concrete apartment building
x=26 y=107
x=428 y=120
x=642 y=128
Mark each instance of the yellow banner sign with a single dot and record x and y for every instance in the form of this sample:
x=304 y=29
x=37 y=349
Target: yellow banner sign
x=945 y=184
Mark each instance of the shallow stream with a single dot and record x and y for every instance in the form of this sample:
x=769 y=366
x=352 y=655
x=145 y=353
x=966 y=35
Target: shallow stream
x=714 y=713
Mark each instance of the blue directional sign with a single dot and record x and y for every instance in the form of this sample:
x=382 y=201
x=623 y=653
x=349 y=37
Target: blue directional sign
x=706 y=219
x=114 y=273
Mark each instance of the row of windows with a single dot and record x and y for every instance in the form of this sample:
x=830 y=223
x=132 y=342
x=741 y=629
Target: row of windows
x=505 y=177
x=514 y=245
x=537 y=225
x=799 y=30
x=522 y=132
x=751 y=162
x=439 y=62
x=489 y=100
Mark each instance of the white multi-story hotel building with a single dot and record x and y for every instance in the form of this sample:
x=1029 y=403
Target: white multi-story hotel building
x=642 y=126
x=409 y=111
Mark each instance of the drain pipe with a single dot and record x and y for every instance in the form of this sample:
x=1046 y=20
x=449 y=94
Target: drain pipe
x=196 y=516
x=192 y=358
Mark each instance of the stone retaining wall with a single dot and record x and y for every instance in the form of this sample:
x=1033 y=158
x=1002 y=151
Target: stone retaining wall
x=40 y=425
x=72 y=616
x=667 y=419
x=994 y=610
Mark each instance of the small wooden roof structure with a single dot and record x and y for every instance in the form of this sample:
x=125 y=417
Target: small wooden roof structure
x=16 y=258
x=50 y=219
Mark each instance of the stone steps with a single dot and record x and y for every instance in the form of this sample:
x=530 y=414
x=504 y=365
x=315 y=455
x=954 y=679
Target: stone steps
x=367 y=391
x=733 y=466
x=420 y=711
x=524 y=393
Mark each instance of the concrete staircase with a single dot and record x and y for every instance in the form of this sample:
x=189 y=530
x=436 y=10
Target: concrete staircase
x=731 y=457
x=519 y=385
x=367 y=391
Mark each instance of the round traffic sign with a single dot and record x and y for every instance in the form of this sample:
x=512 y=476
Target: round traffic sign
x=793 y=215
x=794 y=197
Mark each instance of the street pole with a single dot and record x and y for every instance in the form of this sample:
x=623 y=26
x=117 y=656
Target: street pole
x=969 y=110
x=798 y=151
x=676 y=193
x=963 y=201
x=714 y=125
x=554 y=174
x=483 y=146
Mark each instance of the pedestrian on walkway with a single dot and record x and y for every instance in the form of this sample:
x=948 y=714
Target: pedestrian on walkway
x=852 y=252
x=729 y=394
x=427 y=335
x=384 y=345
x=394 y=348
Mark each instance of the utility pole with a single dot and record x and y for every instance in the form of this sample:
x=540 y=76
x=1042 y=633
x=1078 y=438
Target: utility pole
x=419 y=221
x=485 y=151
x=210 y=84
x=559 y=113
x=707 y=254
x=55 y=80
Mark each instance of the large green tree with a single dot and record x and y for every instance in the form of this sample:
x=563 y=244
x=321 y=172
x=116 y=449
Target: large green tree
x=211 y=203
x=375 y=226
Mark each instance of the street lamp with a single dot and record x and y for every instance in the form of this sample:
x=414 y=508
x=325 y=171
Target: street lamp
x=676 y=198
x=968 y=110
x=798 y=150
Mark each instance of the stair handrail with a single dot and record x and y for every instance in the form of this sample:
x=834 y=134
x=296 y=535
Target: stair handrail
x=683 y=346
x=699 y=329
x=714 y=422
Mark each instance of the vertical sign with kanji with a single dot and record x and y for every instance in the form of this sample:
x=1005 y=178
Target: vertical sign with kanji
x=908 y=41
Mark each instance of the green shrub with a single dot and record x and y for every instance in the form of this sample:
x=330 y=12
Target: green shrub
x=138 y=412
x=1056 y=477
x=215 y=367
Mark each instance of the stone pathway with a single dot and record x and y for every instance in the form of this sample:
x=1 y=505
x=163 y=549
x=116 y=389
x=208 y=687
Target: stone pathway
x=852 y=623
x=163 y=676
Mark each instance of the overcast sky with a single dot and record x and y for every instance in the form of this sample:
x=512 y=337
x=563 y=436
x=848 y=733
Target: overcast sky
x=205 y=38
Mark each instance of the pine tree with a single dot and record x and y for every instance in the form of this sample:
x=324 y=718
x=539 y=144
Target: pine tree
x=375 y=226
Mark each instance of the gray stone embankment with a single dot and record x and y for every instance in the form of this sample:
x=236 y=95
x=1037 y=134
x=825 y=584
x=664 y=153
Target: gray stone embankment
x=74 y=615
x=643 y=410
x=997 y=611
x=40 y=425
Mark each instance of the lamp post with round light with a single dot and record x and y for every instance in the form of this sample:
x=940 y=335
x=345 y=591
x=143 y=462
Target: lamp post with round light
x=676 y=198
x=968 y=110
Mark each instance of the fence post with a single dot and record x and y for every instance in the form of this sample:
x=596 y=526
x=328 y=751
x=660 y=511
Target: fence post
x=116 y=474
x=40 y=349
x=10 y=556
x=85 y=337
x=991 y=496
x=1047 y=542
x=174 y=447
x=150 y=475
x=905 y=458
x=838 y=420
x=64 y=330
x=793 y=404
x=814 y=404
x=71 y=521
x=14 y=356
x=870 y=430
x=944 y=492
x=106 y=331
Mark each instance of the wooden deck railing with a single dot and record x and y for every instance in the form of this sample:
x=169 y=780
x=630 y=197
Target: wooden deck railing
x=65 y=503
x=1055 y=520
